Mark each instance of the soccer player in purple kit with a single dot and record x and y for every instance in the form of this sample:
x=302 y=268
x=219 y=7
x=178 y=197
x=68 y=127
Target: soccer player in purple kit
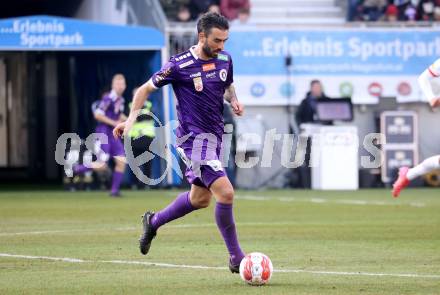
x=109 y=113
x=202 y=78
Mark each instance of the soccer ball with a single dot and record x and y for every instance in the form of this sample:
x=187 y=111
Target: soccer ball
x=256 y=269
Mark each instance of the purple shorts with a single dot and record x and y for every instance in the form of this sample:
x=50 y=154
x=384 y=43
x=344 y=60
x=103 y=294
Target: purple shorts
x=207 y=176
x=113 y=147
x=201 y=173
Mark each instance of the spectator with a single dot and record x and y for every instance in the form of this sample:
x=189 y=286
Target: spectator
x=214 y=8
x=171 y=7
x=425 y=10
x=183 y=14
x=401 y=6
x=198 y=7
x=243 y=17
x=230 y=8
x=410 y=13
x=437 y=13
x=353 y=9
x=388 y=10
x=306 y=112
x=391 y=13
x=373 y=10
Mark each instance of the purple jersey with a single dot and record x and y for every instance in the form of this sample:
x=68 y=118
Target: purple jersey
x=199 y=86
x=112 y=107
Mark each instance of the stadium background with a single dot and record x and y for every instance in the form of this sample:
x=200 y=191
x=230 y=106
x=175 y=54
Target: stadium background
x=48 y=88
x=352 y=241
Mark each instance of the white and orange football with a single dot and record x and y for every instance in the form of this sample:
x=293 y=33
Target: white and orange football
x=256 y=269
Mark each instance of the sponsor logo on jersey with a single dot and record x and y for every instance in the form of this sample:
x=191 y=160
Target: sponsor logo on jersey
x=211 y=75
x=198 y=84
x=223 y=75
x=185 y=64
x=223 y=57
x=198 y=74
x=208 y=67
x=163 y=75
x=183 y=56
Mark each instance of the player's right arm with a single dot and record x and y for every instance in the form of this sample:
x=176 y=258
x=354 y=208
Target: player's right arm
x=165 y=76
x=139 y=98
x=426 y=80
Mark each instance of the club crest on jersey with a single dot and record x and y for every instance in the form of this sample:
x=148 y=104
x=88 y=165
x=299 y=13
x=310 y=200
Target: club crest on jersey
x=198 y=84
x=208 y=67
x=223 y=75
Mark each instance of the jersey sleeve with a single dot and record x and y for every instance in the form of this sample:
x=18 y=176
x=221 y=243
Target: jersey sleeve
x=434 y=69
x=166 y=75
x=230 y=78
x=103 y=105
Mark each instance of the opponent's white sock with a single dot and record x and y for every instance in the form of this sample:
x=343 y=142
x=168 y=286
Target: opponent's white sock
x=424 y=167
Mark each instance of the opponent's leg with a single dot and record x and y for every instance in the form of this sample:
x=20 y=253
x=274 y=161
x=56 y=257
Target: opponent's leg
x=224 y=217
x=406 y=174
x=424 y=167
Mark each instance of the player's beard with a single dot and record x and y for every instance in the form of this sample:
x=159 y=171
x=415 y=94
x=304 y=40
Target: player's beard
x=208 y=51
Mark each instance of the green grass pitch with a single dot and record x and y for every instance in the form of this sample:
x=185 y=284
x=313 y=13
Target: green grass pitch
x=320 y=242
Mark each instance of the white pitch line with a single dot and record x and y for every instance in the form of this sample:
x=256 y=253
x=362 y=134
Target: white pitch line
x=328 y=201
x=169 y=265
x=64 y=259
x=41 y=232
x=132 y=228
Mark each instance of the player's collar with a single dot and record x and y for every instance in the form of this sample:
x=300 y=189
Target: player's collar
x=113 y=95
x=193 y=52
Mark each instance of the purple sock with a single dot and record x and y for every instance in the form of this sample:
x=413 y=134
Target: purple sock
x=80 y=169
x=116 y=181
x=178 y=208
x=225 y=222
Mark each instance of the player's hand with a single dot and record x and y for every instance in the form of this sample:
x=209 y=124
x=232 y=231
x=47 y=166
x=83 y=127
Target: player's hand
x=122 y=129
x=119 y=130
x=435 y=102
x=237 y=107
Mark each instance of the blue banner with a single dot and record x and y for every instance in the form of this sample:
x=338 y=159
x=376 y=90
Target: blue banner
x=57 y=33
x=354 y=51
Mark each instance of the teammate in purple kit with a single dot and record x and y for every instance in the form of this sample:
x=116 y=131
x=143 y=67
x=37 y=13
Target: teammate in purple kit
x=109 y=113
x=202 y=78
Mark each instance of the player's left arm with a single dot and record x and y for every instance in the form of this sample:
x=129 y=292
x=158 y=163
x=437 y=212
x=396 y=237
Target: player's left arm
x=231 y=97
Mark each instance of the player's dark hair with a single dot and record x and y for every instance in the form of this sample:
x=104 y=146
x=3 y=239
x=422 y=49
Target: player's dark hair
x=212 y=20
